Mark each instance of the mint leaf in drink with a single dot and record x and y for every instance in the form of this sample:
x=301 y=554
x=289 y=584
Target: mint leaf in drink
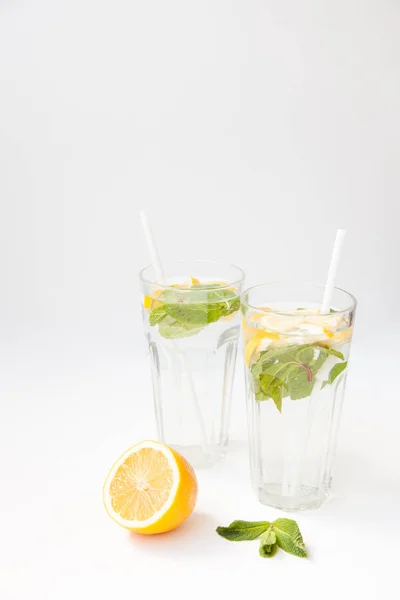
x=194 y=314
x=260 y=397
x=268 y=546
x=239 y=531
x=228 y=302
x=185 y=311
x=200 y=306
x=300 y=384
x=285 y=371
x=271 y=356
x=171 y=329
x=334 y=352
x=334 y=373
x=271 y=387
x=290 y=371
x=289 y=538
x=157 y=315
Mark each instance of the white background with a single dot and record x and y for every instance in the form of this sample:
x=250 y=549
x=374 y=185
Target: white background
x=249 y=131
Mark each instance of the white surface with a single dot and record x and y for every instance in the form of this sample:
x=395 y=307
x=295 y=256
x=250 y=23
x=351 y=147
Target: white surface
x=71 y=416
x=249 y=132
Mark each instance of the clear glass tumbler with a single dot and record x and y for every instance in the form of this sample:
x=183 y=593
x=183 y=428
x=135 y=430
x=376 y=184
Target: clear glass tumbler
x=192 y=325
x=295 y=367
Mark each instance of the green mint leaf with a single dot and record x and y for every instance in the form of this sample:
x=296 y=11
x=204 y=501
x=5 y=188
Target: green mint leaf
x=305 y=354
x=285 y=371
x=273 y=358
x=200 y=294
x=231 y=307
x=157 y=315
x=268 y=551
x=239 y=531
x=268 y=537
x=288 y=537
x=298 y=385
x=171 y=329
x=226 y=299
x=334 y=352
x=200 y=304
x=260 y=397
x=268 y=545
x=218 y=294
x=334 y=373
x=205 y=286
x=194 y=314
x=271 y=387
x=289 y=371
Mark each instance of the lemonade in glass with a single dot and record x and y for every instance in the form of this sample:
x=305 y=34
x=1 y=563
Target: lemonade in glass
x=296 y=362
x=192 y=325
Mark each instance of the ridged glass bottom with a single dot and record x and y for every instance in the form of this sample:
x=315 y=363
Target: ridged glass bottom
x=306 y=497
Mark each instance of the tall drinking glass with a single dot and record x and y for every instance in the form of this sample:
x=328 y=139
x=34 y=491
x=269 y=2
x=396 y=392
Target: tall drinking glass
x=192 y=326
x=295 y=366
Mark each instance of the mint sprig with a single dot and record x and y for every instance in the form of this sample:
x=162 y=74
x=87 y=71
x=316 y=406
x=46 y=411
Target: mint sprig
x=290 y=371
x=185 y=312
x=282 y=533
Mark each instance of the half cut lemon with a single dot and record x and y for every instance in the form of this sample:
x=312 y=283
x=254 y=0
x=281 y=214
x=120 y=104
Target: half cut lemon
x=150 y=489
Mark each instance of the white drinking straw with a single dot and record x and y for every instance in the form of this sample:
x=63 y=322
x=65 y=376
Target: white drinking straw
x=333 y=267
x=159 y=271
x=152 y=247
x=291 y=480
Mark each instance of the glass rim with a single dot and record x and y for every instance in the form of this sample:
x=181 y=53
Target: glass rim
x=229 y=284
x=321 y=286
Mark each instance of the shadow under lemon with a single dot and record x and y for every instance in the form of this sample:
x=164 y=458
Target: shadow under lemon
x=195 y=532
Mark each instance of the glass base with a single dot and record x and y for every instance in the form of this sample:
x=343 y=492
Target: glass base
x=305 y=498
x=200 y=459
